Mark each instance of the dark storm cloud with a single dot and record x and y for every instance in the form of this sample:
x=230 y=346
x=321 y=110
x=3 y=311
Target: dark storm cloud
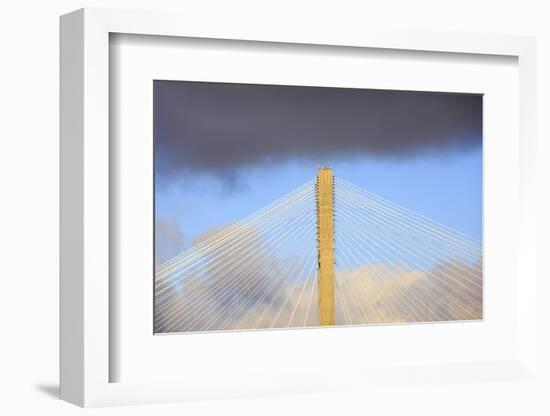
x=216 y=128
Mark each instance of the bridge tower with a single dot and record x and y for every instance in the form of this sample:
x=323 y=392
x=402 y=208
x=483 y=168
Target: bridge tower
x=325 y=245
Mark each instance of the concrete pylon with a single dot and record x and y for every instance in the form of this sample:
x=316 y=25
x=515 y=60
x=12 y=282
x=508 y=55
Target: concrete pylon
x=325 y=245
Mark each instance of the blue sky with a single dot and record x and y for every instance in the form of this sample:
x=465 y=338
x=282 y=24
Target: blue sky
x=446 y=188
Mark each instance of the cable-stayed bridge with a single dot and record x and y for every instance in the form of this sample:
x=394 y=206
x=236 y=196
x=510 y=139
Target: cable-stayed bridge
x=327 y=253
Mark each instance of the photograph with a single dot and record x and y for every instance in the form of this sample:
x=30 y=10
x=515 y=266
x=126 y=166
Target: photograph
x=282 y=206
x=245 y=208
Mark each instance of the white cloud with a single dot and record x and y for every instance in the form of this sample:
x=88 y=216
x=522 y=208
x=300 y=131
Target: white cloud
x=221 y=299
x=169 y=239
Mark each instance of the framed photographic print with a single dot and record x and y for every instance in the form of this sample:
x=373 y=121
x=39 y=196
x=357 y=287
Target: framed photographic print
x=246 y=212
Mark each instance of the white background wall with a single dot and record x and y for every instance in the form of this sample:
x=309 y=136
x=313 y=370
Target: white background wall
x=29 y=206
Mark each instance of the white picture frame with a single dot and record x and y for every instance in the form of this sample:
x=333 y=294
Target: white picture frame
x=85 y=201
